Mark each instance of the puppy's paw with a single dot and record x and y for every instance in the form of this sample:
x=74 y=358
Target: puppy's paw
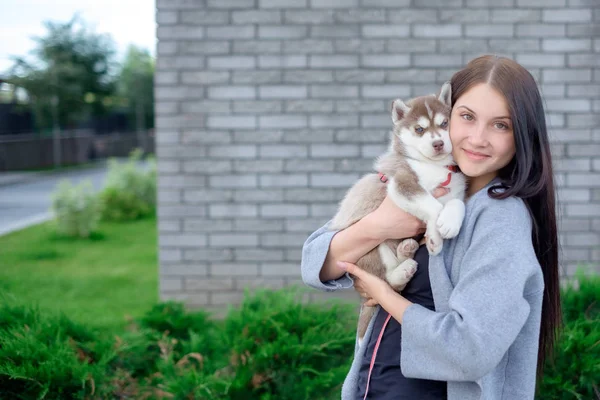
x=403 y=273
x=435 y=243
x=449 y=223
x=407 y=248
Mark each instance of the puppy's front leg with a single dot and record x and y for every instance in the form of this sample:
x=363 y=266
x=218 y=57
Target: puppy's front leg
x=405 y=190
x=451 y=218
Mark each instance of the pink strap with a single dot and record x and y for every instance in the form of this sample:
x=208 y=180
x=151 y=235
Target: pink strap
x=375 y=354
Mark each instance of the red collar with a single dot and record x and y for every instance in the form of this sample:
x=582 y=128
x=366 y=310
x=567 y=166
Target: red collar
x=452 y=168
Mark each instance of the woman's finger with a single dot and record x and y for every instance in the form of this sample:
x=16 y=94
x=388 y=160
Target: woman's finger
x=370 y=303
x=350 y=268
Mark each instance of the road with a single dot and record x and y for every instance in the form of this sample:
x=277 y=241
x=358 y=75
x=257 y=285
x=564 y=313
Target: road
x=28 y=203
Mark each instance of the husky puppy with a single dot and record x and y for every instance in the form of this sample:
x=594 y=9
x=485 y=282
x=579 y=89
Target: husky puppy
x=417 y=161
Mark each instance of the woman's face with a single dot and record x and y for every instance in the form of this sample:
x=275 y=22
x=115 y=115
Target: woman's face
x=481 y=132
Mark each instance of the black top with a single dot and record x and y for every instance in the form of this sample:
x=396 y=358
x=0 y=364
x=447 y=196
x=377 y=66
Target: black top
x=387 y=381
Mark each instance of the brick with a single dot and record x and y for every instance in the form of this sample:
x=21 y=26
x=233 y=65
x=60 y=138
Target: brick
x=514 y=45
x=301 y=165
x=583 y=60
x=463 y=45
x=334 y=3
x=378 y=31
x=230 y=32
x=168 y=225
x=233 y=151
x=568 y=105
x=256 y=17
x=407 y=16
x=232 y=122
x=385 y=3
x=232 y=240
x=257 y=106
x=489 y=30
x=370 y=105
x=436 y=60
x=333 y=150
x=333 y=180
x=308 y=46
x=288 y=210
x=207 y=225
x=541 y=60
x=204 y=136
x=170 y=284
x=586 y=30
x=566 y=75
x=310 y=17
x=179 y=4
x=207 y=166
x=375 y=121
x=283 y=180
x=258 y=196
x=334 y=31
x=282 y=3
x=234 y=181
x=568 y=15
x=261 y=136
x=566 y=45
x=541 y=3
x=360 y=15
x=583 y=239
x=572 y=164
x=256 y=77
x=210 y=254
x=305 y=225
x=258 y=165
x=323 y=106
x=323 y=210
x=169 y=255
x=168 y=166
x=282 y=239
x=385 y=61
x=282 y=32
x=442 y=31
x=333 y=91
x=388 y=92
x=182 y=240
x=186 y=270
x=231 y=62
x=256 y=47
x=583 y=121
x=284 y=61
x=232 y=210
x=165 y=48
x=259 y=283
x=280 y=269
x=584 y=180
x=226 y=298
x=209 y=284
x=205 y=17
x=181 y=211
x=436 y=3
x=257 y=225
x=333 y=61
x=282 y=121
x=259 y=254
x=232 y=92
x=410 y=75
x=361 y=136
x=307 y=76
x=205 y=77
x=310 y=195
x=515 y=15
x=574 y=195
x=282 y=92
x=237 y=269
x=204 y=47
x=166 y=17
x=333 y=121
x=206 y=195
x=179 y=32
x=231 y=3
x=541 y=30
x=459 y=15
x=486 y=3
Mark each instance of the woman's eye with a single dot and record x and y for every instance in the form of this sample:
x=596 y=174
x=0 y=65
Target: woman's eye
x=500 y=125
x=468 y=117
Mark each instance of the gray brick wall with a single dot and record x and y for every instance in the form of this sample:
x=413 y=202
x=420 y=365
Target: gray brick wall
x=267 y=110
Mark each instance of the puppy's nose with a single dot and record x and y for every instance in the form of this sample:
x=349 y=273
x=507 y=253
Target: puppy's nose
x=438 y=145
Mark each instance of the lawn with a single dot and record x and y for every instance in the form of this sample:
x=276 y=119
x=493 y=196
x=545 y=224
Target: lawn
x=97 y=281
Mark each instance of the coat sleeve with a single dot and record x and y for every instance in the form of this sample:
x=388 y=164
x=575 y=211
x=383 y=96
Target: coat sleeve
x=487 y=308
x=314 y=251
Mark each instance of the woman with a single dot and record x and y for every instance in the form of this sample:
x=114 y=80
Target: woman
x=478 y=320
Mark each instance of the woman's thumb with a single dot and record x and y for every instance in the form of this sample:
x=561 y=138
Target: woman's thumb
x=346 y=266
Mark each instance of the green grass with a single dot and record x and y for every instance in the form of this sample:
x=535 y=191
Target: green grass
x=98 y=281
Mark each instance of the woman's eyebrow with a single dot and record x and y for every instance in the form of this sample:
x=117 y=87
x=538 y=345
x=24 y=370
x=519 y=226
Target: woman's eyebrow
x=463 y=106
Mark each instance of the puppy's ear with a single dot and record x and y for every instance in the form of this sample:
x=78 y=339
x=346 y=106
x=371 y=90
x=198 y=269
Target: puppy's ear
x=445 y=95
x=399 y=110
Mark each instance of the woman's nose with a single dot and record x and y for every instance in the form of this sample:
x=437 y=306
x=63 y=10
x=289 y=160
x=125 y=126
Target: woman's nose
x=477 y=136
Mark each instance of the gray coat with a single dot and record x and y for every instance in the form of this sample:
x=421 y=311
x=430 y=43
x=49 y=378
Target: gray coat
x=487 y=288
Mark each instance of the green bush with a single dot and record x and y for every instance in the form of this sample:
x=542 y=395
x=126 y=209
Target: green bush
x=130 y=191
x=77 y=209
x=274 y=346
x=575 y=371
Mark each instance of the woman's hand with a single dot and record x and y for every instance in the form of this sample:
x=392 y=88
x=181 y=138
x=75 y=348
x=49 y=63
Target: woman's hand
x=389 y=221
x=369 y=286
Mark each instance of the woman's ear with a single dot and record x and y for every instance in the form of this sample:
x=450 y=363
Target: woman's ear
x=446 y=94
x=399 y=110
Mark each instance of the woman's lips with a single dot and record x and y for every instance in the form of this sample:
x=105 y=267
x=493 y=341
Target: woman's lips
x=475 y=156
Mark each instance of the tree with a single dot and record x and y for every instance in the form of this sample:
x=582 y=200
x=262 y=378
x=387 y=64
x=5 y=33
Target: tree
x=71 y=75
x=136 y=85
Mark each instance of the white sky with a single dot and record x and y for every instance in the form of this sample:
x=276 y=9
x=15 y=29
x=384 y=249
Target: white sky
x=127 y=21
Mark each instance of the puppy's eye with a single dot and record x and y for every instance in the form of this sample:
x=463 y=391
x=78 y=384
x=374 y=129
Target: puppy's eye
x=419 y=129
x=444 y=124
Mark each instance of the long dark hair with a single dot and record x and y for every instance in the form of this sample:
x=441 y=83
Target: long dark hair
x=528 y=175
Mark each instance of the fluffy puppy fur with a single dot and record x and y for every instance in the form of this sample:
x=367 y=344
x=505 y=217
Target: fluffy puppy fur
x=418 y=160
